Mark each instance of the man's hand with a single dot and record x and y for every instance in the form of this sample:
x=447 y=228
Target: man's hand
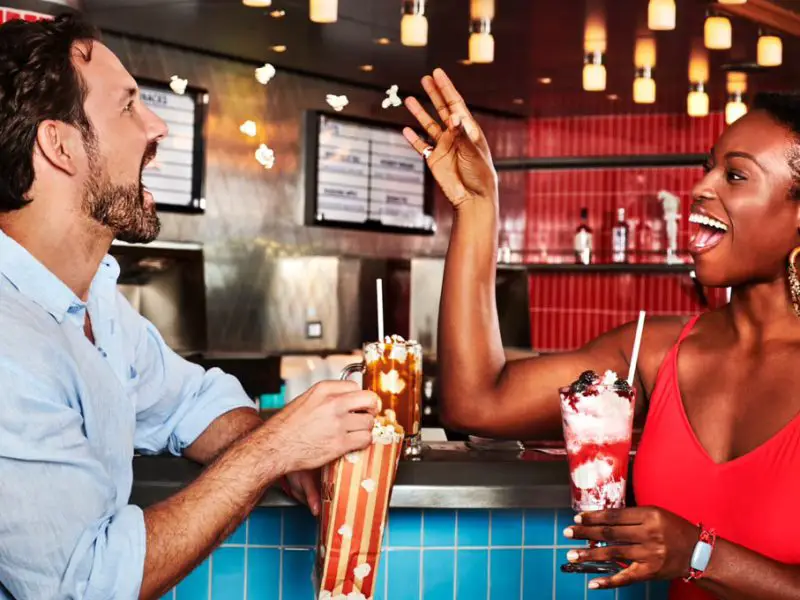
x=304 y=486
x=328 y=421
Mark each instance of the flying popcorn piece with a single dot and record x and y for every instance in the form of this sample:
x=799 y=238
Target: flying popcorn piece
x=352 y=457
x=178 y=85
x=249 y=128
x=345 y=531
x=265 y=156
x=337 y=102
x=265 y=74
x=369 y=486
x=362 y=570
x=392 y=99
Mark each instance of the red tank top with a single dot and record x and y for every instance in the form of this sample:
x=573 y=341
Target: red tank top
x=744 y=499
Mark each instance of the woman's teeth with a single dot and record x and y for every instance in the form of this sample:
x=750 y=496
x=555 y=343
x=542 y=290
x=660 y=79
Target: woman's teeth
x=707 y=221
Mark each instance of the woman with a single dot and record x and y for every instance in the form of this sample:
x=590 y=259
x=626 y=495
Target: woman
x=721 y=444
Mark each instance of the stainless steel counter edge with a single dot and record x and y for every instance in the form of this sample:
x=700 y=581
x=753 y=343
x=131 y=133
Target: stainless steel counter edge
x=450 y=476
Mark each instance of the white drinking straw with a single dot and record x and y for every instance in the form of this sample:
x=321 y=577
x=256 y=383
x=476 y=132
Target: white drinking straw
x=636 y=343
x=379 y=286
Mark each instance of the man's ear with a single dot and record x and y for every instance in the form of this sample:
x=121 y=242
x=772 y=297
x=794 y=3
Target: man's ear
x=59 y=144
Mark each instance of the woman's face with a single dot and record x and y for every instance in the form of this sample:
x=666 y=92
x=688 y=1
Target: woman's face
x=744 y=221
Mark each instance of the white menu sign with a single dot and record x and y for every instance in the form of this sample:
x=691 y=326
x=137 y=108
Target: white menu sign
x=369 y=174
x=170 y=177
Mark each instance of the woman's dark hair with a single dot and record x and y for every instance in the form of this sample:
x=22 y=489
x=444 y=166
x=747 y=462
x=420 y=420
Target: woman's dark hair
x=38 y=81
x=784 y=108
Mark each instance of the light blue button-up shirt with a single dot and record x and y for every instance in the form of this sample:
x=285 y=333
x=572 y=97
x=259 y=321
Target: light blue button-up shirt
x=71 y=415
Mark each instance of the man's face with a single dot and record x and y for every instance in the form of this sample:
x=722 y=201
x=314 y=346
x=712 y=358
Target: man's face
x=125 y=137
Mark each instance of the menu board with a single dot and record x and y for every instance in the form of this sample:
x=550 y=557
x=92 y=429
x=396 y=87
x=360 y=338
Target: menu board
x=176 y=176
x=365 y=175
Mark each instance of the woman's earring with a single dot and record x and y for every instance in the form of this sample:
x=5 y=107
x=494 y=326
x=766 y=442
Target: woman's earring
x=794 y=280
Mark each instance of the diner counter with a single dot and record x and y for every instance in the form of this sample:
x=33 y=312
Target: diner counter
x=450 y=475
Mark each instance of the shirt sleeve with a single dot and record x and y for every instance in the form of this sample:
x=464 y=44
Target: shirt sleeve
x=63 y=536
x=176 y=399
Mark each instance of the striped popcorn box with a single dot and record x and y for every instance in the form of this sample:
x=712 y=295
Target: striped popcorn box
x=355 y=503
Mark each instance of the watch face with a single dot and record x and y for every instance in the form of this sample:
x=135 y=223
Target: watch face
x=701 y=556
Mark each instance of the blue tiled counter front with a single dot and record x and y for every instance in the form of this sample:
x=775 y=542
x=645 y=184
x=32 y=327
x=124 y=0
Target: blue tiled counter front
x=428 y=555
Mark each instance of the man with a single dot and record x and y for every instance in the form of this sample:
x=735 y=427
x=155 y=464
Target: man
x=85 y=379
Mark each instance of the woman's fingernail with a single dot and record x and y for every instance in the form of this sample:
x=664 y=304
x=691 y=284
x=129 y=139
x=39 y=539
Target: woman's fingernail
x=578 y=519
x=568 y=532
x=572 y=555
x=593 y=585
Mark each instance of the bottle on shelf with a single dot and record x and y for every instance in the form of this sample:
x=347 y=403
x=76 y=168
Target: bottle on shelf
x=583 y=240
x=619 y=239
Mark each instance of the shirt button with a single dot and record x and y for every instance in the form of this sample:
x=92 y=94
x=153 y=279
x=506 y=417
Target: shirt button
x=103 y=352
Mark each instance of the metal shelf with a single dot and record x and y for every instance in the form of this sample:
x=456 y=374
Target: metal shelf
x=635 y=268
x=599 y=162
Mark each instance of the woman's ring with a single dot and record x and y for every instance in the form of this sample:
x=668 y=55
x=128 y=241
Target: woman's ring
x=427 y=152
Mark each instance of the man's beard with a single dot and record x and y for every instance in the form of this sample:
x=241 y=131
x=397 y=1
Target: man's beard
x=121 y=208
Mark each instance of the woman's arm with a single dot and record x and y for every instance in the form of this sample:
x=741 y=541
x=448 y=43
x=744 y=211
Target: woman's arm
x=481 y=392
x=736 y=573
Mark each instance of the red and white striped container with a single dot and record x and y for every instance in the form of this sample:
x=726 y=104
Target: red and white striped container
x=355 y=503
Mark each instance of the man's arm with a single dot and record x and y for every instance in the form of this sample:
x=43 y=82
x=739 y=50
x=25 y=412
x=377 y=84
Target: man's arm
x=64 y=499
x=222 y=433
x=313 y=430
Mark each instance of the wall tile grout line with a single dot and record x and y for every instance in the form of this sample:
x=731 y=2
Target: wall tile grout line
x=421 y=552
x=394 y=548
x=522 y=557
x=280 y=555
x=455 y=558
x=489 y=560
x=555 y=555
x=246 y=552
x=210 y=574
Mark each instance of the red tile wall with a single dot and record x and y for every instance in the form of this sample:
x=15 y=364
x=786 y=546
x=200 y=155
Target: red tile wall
x=569 y=309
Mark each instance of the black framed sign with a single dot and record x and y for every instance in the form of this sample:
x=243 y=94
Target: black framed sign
x=362 y=174
x=176 y=177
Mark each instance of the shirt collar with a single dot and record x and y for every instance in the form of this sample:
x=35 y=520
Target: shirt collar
x=39 y=284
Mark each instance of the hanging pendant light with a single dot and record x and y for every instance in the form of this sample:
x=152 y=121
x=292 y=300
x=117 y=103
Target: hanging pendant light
x=414 y=24
x=644 y=85
x=323 y=11
x=735 y=107
x=697 y=99
x=770 y=50
x=481 y=40
x=661 y=15
x=594 y=47
x=717 y=32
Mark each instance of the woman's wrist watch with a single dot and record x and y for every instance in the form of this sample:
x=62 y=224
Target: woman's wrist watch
x=701 y=555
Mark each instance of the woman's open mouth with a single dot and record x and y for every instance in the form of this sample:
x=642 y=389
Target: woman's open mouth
x=706 y=232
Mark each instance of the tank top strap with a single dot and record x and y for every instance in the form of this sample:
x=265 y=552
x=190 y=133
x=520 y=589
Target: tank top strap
x=687 y=329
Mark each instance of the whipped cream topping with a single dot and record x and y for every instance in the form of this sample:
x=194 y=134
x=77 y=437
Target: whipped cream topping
x=609 y=378
x=601 y=418
x=399 y=349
